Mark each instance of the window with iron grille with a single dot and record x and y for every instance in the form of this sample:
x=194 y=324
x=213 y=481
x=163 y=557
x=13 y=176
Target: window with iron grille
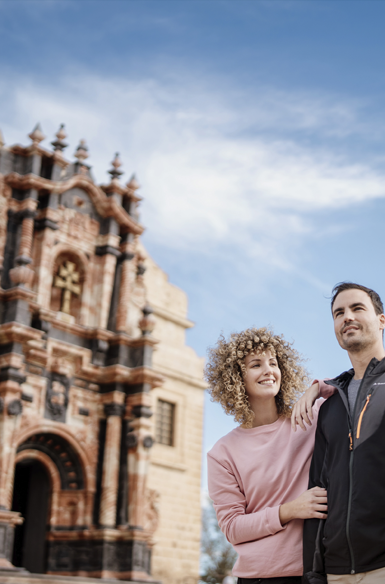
x=165 y=414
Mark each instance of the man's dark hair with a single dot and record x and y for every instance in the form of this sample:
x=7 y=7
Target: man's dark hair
x=374 y=297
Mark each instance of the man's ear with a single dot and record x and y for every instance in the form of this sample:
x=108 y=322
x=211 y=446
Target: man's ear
x=382 y=321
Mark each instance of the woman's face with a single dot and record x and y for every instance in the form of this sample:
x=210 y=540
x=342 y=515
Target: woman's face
x=263 y=376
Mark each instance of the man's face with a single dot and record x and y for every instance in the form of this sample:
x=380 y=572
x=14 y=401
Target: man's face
x=356 y=324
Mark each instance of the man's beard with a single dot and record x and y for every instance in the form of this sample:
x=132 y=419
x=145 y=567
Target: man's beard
x=354 y=344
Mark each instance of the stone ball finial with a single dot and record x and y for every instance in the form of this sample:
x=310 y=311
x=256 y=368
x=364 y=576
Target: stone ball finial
x=59 y=143
x=147 y=322
x=81 y=151
x=116 y=164
x=133 y=184
x=37 y=135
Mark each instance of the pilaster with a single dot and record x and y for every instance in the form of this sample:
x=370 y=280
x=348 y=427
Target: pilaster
x=110 y=478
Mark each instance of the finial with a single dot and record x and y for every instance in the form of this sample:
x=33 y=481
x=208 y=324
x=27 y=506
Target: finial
x=2 y=143
x=59 y=144
x=133 y=183
x=147 y=322
x=116 y=164
x=81 y=151
x=37 y=134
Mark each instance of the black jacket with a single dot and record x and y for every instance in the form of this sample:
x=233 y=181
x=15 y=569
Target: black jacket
x=349 y=461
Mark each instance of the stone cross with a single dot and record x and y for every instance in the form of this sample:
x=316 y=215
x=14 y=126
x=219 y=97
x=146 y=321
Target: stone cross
x=67 y=279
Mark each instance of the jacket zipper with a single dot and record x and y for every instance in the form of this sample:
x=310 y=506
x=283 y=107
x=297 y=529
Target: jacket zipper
x=361 y=416
x=351 y=419
x=353 y=570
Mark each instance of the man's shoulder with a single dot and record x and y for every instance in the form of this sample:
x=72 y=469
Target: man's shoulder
x=329 y=405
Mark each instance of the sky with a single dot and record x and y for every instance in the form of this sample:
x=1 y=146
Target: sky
x=256 y=129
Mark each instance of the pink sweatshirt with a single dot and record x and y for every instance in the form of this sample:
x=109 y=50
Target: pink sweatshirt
x=251 y=472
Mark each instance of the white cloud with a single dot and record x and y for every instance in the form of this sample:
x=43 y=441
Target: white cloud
x=218 y=168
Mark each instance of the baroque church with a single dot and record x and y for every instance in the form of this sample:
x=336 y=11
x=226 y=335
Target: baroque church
x=101 y=400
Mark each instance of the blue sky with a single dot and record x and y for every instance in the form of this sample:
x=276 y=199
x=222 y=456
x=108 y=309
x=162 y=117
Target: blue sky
x=256 y=129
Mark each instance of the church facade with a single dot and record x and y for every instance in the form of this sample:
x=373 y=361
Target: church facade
x=101 y=401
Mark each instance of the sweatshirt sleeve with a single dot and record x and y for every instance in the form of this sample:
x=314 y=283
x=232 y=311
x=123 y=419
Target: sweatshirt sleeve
x=230 y=506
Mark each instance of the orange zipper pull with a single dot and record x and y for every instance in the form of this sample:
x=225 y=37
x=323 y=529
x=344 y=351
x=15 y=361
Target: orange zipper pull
x=362 y=415
x=350 y=440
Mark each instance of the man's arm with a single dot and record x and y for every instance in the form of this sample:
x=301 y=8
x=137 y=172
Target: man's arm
x=317 y=477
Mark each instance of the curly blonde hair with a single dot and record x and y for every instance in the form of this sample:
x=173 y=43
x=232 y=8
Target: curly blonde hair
x=225 y=372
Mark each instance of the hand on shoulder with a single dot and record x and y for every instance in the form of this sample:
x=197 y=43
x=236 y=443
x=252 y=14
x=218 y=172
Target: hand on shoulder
x=302 y=410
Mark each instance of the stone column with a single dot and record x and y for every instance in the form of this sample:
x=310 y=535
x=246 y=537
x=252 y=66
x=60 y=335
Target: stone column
x=25 y=246
x=8 y=521
x=110 y=477
x=22 y=274
x=124 y=292
x=10 y=410
x=138 y=441
x=105 y=281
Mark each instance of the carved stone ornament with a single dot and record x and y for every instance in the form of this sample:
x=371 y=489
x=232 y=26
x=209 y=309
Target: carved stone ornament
x=114 y=409
x=21 y=275
x=147 y=322
x=57 y=397
x=67 y=279
x=116 y=164
x=15 y=407
x=131 y=440
x=141 y=268
x=81 y=151
x=59 y=143
x=36 y=135
x=148 y=441
x=151 y=510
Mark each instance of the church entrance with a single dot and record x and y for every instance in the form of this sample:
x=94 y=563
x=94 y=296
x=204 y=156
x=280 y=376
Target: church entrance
x=31 y=497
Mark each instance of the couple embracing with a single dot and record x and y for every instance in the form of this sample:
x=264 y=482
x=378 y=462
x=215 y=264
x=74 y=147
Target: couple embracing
x=303 y=505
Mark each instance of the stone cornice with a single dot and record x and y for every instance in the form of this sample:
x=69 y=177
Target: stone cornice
x=105 y=206
x=84 y=331
x=17 y=293
x=180 y=376
x=168 y=315
x=15 y=332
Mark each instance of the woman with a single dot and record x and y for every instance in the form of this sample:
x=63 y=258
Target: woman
x=258 y=473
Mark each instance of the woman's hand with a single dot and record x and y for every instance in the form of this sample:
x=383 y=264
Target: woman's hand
x=312 y=504
x=302 y=410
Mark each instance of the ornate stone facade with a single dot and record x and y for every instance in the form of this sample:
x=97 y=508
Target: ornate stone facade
x=81 y=376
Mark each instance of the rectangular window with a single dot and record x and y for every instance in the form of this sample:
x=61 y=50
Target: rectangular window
x=165 y=420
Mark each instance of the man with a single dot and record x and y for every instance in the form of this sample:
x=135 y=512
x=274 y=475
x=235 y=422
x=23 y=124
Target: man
x=349 y=454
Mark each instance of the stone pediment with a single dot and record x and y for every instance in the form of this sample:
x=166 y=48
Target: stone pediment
x=80 y=201
x=104 y=206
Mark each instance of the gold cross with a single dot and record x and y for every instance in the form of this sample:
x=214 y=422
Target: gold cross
x=66 y=280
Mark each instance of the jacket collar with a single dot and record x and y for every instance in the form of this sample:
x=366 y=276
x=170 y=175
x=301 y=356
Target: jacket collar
x=375 y=367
